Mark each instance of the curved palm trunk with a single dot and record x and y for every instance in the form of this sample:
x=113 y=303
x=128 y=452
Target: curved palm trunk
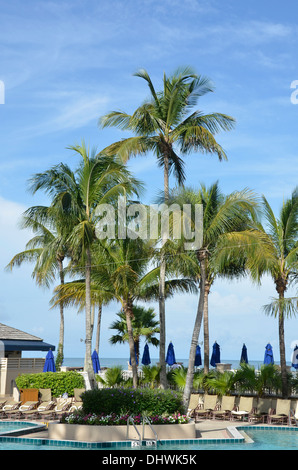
x=201 y=254
x=162 y=280
x=60 y=353
x=88 y=322
x=127 y=307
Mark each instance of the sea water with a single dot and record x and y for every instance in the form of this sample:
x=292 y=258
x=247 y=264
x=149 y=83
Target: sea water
x=123 y=362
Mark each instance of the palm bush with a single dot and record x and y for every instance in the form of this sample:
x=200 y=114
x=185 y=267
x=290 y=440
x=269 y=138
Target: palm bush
x=268 y=380
x=113 y=377
x=151 y=376
x=177 y=378
x=245 y=378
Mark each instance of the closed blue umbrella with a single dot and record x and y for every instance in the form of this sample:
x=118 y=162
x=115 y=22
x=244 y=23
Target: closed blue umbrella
x=215 y=358
x=137 y=362
x=49 y=365
x=146 y=356
x=295 y=357
x=268 y=358
x=95 y=362
x=244 y=357
x=170 y=358
x=198 y=358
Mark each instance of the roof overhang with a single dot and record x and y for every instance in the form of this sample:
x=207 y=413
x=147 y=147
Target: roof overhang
x=15 y=345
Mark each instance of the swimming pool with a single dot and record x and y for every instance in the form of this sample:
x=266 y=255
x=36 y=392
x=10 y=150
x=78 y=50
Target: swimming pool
x=259 y=438
x=19 y=427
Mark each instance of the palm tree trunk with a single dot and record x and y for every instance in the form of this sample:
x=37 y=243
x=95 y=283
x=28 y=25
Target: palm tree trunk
x=282 y=350
x=162 y=320
x=97 y=339
x=206 y=328
x=88 y=340
x=201 y=254
x=60 y=357
x=127 y=307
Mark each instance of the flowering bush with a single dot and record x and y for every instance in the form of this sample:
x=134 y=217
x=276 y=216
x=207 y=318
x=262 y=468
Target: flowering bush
x=132 y=401
x=114 y=420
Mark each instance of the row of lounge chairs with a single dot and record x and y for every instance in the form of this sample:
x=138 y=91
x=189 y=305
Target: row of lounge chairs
x=260 y=410
x=44 y=409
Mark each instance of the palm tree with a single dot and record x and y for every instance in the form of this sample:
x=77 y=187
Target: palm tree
x=133 y=279
x=166 y=125
x=128 y=262
x=98 y=180
x=47 y=249
x=143 y=324
x=274 y=251
x=223 y=216
x=281 y=264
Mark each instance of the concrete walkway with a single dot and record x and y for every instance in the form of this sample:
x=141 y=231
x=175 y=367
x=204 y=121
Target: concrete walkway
x=216 y=429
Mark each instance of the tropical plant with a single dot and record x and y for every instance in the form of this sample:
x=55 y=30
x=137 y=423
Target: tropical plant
x=280 y=261
x=98 y=180
x=246 y=378
x=151 y=376
x=223 y=216
x=113 y=377
x=73 y=293
x=143 y=324
x=268 y=379
x=222 y=383
x=48 y=249
x=166 y=125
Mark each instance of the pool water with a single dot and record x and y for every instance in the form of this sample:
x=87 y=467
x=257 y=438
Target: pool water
x=8 y=426
x=262 y=440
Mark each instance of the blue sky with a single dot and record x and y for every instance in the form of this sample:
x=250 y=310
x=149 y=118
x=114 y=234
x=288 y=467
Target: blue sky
x=66 y=63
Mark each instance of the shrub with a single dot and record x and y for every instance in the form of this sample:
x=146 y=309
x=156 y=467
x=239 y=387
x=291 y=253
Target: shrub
x=58 y=382
x=131 y=401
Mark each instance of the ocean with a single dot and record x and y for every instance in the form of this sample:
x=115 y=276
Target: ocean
x=112 y=362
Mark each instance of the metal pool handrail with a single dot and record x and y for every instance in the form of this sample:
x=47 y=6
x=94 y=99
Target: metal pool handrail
x=131 y=420
x=146 y=421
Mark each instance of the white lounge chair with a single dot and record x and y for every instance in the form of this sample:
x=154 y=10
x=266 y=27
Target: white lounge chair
x=243 y=409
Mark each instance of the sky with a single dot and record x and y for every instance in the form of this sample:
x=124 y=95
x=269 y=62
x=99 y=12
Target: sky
x=63 y=64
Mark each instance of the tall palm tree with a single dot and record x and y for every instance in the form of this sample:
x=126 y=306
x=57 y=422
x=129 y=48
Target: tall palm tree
x=143 y=324
x=129 y=260
x=98 y=180
x=281 y=264
x=222 y=216
x=166 y=125
x=48 y=249
x=133 y=279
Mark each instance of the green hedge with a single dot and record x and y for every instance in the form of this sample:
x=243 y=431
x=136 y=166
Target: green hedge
x=58 y=382
x=132 y=401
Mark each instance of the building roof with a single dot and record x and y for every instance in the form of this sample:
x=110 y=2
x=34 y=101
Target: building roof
x=17 y=340
x=7 y=332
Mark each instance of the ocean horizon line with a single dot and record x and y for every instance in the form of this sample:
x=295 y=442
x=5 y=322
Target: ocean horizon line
x=120 y=361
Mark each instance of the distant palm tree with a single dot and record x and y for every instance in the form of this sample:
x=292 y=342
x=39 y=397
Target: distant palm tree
x=143 y=324
x=281 y=264
x=274 y=251
x=166 y=125
x=48 y=249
